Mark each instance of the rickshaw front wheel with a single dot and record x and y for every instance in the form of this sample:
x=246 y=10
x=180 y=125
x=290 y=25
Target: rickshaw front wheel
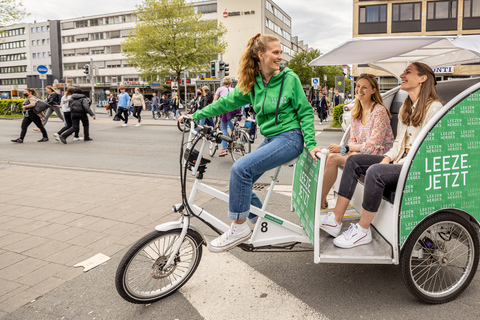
x=440 y=258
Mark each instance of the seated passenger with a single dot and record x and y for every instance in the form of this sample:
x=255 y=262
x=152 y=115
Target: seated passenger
x=370 y=132
x=420 y=106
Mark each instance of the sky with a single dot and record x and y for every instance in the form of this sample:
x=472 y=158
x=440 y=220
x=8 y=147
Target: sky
x=322 y=24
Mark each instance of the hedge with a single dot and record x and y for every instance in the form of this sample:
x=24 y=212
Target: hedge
x=5 y=104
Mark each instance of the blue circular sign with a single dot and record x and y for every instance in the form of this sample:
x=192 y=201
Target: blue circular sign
x=315 y=80
x=42 y=69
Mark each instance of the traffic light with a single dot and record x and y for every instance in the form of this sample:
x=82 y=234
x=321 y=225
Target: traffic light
x=214 y=68
x=86 y=69
x=223 y=69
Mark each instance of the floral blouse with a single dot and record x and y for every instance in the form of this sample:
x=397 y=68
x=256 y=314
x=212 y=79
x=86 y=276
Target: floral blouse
x=376 y=136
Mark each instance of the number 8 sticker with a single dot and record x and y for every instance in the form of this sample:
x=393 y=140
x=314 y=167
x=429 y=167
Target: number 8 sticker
x=264 y=227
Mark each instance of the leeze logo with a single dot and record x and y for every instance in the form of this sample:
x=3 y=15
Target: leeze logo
x=447 y=171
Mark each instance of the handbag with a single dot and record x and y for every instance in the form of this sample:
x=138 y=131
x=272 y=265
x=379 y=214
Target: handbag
x=107 y=107
x=40 y=106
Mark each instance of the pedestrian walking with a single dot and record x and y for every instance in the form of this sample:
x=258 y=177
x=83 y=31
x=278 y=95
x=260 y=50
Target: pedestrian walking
x=79 y=108
x=226 y=117
x=31 y=116
x=123 y=106
x=53 y=100
x=338 y=99
x=112 y=104
x=209 y=99
x=176 y=106
x=155 y=103
x=138 y=103
x=165 y=102
x=321 y=107
x=65 y=103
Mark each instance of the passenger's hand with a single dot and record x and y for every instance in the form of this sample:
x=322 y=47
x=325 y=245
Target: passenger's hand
x=386 y=160
x=184 y=116
x=334 y=148
x=314 y=151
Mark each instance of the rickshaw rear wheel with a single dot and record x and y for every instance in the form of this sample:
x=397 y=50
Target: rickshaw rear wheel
x=440 y=258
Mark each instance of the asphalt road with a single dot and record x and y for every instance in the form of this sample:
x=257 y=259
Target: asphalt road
x=333 y=291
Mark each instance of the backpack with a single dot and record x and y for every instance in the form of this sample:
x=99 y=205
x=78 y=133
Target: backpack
x=59 y=99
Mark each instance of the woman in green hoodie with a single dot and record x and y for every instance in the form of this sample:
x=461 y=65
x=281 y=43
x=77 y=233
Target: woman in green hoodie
x=285 y=119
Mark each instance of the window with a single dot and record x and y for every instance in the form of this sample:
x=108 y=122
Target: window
x=93 y=22
x=115 y=49
x=373 y=14
x=81 y=24
x=207 y=8
x=44 y=54
x=68 y=53
x=14 y=57
x=441 y=10
x=34 y=55
x=81 y=37
x=33 y=42
x=38 y=29
x=33 y=30
x=70 y=66
x=12 y=81
x=48 y=41
x=12 y=45
x=12 y=32
x=16 y=69
x=43 y=41
x=43 y=28
x=269 y=6
x=68 y=25
x=406 y=11
x=38 y=42
x=471 y=8
x=34 y=68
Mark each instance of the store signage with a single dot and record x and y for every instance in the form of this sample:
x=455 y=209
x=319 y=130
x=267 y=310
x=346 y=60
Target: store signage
x=5 y=95
x=443 y=70
x=237 y=13
x=131 y=83
x=155 y=85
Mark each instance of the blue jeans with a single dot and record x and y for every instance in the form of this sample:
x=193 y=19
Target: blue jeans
x=229 y=123
x=271 y=153
x=154 y=108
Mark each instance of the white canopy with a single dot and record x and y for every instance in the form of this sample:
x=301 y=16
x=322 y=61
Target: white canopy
x=394 y=54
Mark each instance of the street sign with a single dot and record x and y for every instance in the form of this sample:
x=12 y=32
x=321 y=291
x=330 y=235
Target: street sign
x=42 y=76
x=315 y=81
x=316 y=86
x=42 y=69
x=193 y=80
x=325 y=77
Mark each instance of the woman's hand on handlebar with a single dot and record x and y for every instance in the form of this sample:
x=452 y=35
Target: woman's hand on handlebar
x=334 y=148
x=314 y=151
x=184 y=116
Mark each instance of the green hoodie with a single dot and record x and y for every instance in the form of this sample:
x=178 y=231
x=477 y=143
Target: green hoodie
x=294 y=111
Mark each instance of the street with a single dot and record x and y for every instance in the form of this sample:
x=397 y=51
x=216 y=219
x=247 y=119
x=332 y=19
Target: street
x=122 y=184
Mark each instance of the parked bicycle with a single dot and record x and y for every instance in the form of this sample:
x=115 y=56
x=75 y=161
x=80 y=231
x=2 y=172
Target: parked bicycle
x=240 y=144
x=12 y=109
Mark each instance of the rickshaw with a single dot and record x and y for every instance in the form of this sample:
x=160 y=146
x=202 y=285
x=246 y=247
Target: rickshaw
x=428 y=223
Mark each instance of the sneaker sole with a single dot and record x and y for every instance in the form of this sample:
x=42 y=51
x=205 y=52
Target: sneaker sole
x=358 y=243
x=333 y=234
x=230 y=246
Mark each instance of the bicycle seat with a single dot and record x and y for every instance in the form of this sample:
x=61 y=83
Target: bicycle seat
x=291 y=162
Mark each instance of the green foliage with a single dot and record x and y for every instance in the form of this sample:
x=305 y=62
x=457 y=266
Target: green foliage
x=170 y=38
x=11 y=11
x=337 y=111
x=5 y=104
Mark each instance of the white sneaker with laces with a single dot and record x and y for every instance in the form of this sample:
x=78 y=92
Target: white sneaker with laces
x=235 y=235
x=57 y=136
x=353 y=237
x=77 y=139
x=166 y=118
x=124 y=124
x=138 y=125
x=330 y=225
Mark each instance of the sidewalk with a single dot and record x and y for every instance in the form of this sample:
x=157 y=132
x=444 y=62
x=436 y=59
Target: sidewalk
x=52 y=218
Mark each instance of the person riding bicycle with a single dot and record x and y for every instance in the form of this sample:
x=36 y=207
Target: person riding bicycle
x=226 y=117
x=285 y=119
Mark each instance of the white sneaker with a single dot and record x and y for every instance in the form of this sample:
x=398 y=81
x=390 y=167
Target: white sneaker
x=353 y=237
x=235 y=235
x=77 y=139
x=320 y=122
x=166 y=118
x=330 y=225
x=124 y=124
x=57 y=136
x=138 y=125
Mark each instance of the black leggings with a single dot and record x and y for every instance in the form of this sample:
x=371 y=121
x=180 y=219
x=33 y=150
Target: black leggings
x=76 y=118
x=30 y=117
x=123 y=111
x=377 y=177
x=136 y=112
x=68 y=119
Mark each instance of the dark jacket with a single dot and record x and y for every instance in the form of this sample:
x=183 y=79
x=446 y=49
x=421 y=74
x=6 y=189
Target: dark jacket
x=79 y=104
x=321 y=104
x=209 y=97
x=175 y=103
x=52 y=99
x=165 y=102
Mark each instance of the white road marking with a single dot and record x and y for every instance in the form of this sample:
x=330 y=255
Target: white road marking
x=224 y=287
x=319 y=132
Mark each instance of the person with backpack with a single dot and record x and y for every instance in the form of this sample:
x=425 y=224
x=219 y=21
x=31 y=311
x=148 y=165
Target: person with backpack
x=54 y=101
x=285 y=119
x=79 y=108
x=31 y=116
x=67 y=114
x=138 y=103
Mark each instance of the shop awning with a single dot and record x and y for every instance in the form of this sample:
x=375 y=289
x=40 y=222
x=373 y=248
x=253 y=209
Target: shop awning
x=394 y=54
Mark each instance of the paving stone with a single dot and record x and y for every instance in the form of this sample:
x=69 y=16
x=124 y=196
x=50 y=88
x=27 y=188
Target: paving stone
x=9 y=258
x=87 y=238
x=49 y=215
x=45 y=286
x=84 y=222
x=47 y=249
x=13 y=224
x=121 y=229
x=14 y=292
x=31 y=226
x=41 y=274
x=66 y=218
x=8 y=286
x=49 y=230
x=18 y=300
x=105 y=242
x=67 y=234
x=70 y=255
x=33 y=214
x=102 y=225
x=25 y=244
x=21 y=268
x=12 y=238
x=69 y=273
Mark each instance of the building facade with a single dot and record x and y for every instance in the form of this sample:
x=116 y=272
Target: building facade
x=416 y=18
x=66 y=46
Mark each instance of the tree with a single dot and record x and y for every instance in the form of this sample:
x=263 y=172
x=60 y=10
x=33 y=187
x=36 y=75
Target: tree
x=170 y=38
x=11 y=11
x=299 y=64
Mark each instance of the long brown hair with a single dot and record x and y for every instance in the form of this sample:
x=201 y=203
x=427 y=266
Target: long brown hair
x=70 y=91
x=250 y=63
x=357 y=112
x=428 y=94
x=52 y=89
x=32 y=91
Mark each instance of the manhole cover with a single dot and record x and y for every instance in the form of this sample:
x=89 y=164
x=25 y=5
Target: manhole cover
x=260 y=186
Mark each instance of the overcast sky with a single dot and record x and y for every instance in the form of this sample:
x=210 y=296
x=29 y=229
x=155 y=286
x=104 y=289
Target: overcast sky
x=323 y=24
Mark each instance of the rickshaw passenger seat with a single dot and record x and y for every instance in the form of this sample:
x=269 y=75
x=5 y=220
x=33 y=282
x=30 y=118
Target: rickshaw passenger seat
x=388 y=193
x=291 y=162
